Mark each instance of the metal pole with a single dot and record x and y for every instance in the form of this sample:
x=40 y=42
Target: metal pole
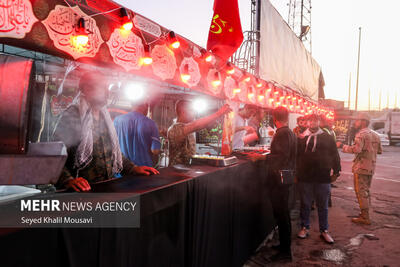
x=387 y=101
x=258 y=36
x=380 y=98
x=301 y=20
x=348 y=100
x=369 y=99
x=358 y=66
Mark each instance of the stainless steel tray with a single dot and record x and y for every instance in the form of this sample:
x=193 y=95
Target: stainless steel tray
x=219 y=161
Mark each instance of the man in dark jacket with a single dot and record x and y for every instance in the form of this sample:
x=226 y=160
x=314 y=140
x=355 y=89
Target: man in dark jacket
x=282 y=157
x=317 y=158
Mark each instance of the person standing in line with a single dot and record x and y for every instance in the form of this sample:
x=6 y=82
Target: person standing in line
x=281 y=158
x=317 y=158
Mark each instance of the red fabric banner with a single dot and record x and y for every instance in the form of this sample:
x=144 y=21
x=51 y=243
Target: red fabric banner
x=225 y=35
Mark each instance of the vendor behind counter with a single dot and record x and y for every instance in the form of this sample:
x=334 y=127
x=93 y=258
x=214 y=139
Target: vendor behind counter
x=181 y=138
x=87 y=130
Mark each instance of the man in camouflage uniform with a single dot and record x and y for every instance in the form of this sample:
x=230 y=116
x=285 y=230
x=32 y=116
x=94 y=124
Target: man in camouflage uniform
x=366 y=146
x=181 y=134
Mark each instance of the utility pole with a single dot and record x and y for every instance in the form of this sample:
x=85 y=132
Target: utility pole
x=380 y=98
x=369 y=99
x=358 y=66
x=348 y=100
x=395 y=100
x=387 y=101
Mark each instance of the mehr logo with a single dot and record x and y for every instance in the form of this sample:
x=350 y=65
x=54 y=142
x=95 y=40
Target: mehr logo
x=40 y=205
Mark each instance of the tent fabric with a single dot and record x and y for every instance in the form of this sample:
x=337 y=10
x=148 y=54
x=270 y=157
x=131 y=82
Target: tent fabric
x=283 y=57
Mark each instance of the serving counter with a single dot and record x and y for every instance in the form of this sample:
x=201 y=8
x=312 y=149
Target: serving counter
x=202 y=216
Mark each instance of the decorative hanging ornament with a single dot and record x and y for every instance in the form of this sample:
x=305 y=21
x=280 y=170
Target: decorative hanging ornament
x=214 y=81
x=192 y=69
x=126 y=49
x=61 y=24
x=229 y=87
x=164 y=62
x=16 y=18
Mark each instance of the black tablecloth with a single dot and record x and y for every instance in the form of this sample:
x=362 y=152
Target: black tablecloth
x=206 y=216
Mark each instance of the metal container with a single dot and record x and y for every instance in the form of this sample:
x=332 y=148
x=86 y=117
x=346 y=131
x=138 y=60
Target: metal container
x=42 y=164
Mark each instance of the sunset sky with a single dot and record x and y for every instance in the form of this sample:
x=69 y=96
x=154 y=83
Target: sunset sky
x=334 y=36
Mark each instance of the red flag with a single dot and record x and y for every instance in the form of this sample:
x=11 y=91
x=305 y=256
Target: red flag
x=225 y=35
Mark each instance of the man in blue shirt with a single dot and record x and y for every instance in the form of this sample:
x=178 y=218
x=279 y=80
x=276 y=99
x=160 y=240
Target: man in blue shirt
x=138 y=135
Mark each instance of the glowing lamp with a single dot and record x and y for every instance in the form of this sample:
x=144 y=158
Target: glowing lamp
x=230 y=70
x=250 y=95
x=236 y=91
x=127 y=26
x=185 y=76
x=259 y=83
x=146 y=59
x=81 y=35
x=207 y=56
x=217 y=81
x=261 y=98
x=126 y=22
x=82 y=39
x=200 y=105
x=134 y=91
x=175 y=44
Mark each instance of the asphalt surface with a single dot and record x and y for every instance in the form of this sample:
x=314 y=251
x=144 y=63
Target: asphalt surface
x=355 y=245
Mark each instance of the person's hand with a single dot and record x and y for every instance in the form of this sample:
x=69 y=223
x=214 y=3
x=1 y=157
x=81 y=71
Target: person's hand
x=225 y=109
x=255 y=157
x=145 y=170
x=334 y=177
x=79 y=184
x=339 y=144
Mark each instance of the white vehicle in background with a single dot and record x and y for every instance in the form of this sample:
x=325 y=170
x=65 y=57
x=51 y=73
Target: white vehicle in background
x=388 y=125
x=384 y=137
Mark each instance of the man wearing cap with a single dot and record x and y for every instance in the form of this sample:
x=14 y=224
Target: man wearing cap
x=366 y=146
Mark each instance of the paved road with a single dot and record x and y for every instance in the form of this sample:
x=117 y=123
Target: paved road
x=387 y=175
x=355 y=245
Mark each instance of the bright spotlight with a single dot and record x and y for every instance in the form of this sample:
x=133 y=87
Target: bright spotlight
x=134 y=91
x=200 y=105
